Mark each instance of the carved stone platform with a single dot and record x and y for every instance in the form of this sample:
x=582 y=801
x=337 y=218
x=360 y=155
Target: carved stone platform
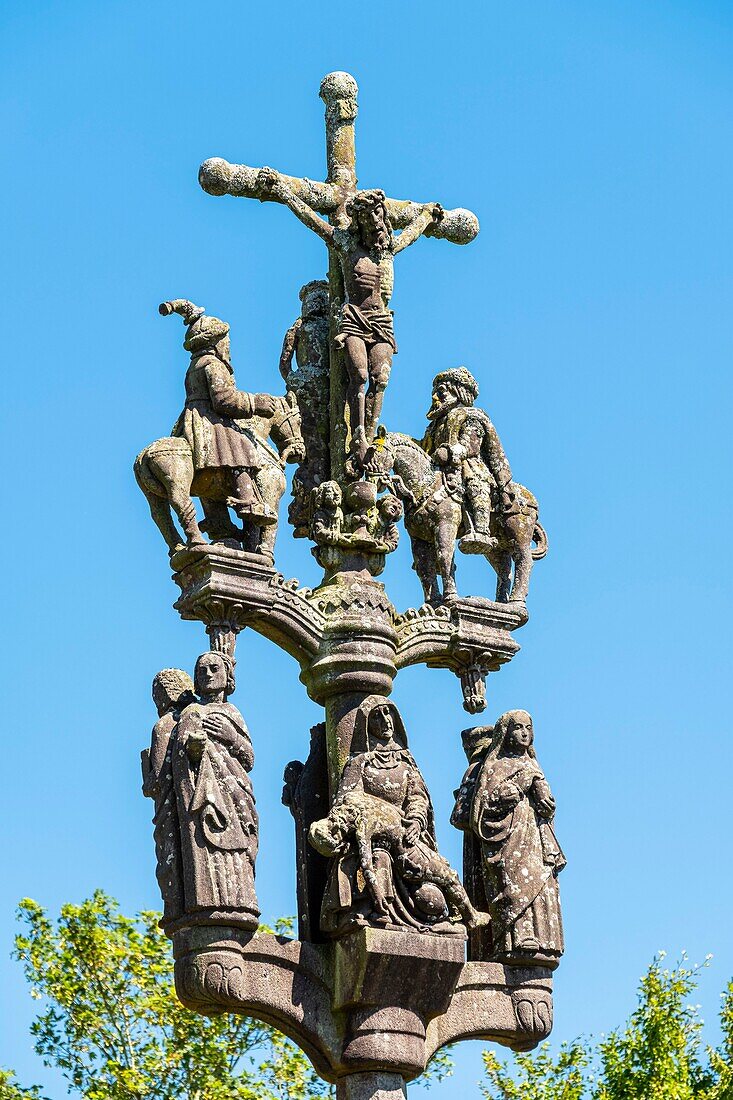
x=229 y=589
x=372 y=1001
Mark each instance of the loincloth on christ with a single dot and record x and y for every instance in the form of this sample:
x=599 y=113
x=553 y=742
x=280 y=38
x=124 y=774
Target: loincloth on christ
x=373 y=326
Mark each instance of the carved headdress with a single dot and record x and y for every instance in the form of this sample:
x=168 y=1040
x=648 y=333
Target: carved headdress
x=461 y=380
x=361 y=741
x=203 y=332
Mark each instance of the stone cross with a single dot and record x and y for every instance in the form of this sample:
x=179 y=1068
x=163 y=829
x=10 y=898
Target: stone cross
x=378 y=979
x=219 y=177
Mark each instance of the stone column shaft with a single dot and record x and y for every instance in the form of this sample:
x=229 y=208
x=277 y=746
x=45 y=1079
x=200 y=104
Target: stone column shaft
x=339 y=93
x=372 y=1086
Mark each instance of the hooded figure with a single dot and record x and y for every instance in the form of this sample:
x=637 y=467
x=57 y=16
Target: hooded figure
x=381 y=832
x=511 y=816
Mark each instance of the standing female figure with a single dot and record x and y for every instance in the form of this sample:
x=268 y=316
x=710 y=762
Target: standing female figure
x=511 y=815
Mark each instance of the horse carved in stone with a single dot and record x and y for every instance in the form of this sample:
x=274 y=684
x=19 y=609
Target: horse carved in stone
x=435 y=519
x=165 y=472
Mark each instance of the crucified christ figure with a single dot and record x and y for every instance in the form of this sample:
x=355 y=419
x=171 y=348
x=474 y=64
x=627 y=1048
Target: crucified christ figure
x=365 y=248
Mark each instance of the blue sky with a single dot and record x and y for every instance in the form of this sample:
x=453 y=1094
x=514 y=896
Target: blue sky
x=594 y=142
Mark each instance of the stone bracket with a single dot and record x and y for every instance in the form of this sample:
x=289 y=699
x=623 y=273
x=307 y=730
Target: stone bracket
x=376 y=1000
x=471 y=637
x=229 y=589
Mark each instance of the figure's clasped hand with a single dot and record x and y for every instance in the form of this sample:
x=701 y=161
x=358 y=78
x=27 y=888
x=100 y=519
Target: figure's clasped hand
x=411 y=834
x=213 y=723
x=508 y=793
x=264 y=405
x=442 y=456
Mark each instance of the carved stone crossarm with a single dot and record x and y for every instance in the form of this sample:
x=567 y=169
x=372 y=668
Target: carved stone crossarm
x=227 y=591
x=397 y=954
x=352 y=1005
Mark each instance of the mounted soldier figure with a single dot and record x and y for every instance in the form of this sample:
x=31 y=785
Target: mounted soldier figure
x=218 y=449
x=463 y=442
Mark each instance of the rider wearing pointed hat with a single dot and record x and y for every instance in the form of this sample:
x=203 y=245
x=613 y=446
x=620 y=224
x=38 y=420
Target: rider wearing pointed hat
x=213 y=407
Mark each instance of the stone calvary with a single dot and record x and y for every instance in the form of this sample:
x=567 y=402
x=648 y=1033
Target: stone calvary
x=397 y=953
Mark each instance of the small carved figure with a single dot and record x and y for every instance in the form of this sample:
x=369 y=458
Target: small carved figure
x=218 y=448
x=327 y=515
x=367 y=523
x=464 y=491
x=361 y=522
x=212 y=756
x=390 y=511
x=365 y=247
x=380 y=832
x=172 y=691
x=308 y=380
x=505 y=804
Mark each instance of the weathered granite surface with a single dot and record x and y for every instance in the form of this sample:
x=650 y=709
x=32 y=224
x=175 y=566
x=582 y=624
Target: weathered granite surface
x=397 y=954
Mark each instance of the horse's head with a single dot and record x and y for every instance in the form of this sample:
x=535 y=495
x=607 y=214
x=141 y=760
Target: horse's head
x=411 y=466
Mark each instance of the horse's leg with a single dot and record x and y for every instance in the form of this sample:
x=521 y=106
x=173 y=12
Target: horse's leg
x=218 y=523
x=183 y=506
x=179 y=473
x=270 y=482
x=157 y=497
x=423 y=558
x=445 y=532
x=161 y=513
x=522 y=569
x=501 y=562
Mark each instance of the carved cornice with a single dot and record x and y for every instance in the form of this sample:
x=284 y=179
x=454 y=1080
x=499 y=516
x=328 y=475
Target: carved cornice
x=496 y=1003
x=467 y=632
x=220 y=586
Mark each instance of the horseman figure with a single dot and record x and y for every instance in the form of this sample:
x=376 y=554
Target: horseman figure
x=213 y=405
x=463 y=442
x=218 y=449
x=456 y=484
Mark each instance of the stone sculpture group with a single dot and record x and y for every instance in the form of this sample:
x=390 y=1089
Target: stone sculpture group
x=396 y=954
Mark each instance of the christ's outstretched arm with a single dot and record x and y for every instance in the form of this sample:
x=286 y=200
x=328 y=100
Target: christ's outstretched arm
x=429 y=214
x=272 y=185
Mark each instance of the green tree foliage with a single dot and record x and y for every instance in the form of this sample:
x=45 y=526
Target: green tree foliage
x=658 y=1055
x=111 y=1022
x=10 y=1090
